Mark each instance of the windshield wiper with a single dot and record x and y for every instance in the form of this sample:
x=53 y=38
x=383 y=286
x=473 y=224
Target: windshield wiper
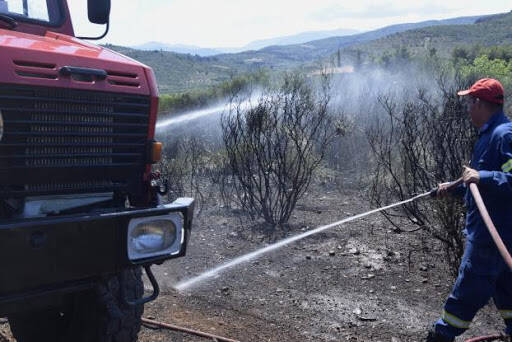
x=11 y=23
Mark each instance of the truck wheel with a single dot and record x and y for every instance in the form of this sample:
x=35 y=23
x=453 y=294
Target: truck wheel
x=99 y=315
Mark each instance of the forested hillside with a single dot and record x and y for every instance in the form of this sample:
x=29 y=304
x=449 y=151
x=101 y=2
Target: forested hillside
x=488 y=31
x=182 y=72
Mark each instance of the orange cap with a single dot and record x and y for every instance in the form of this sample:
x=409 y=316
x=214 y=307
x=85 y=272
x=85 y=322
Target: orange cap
x=487 y=89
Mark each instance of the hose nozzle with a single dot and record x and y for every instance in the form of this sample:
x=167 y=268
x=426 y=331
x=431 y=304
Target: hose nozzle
x=449 y=187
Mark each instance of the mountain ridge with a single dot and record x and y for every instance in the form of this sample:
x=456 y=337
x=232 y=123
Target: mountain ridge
x=178 y=48
x=298 y=38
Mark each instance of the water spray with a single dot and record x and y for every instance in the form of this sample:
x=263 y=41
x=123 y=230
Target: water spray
x=250 y=256
x=201 y=113
x=193 y=115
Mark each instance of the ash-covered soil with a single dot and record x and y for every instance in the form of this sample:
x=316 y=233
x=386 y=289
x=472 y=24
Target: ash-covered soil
x=358 y=282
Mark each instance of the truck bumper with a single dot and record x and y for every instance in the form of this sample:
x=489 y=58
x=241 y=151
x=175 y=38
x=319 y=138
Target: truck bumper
x=44 y=256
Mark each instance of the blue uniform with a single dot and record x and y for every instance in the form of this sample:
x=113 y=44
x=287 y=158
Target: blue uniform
x=483 y=274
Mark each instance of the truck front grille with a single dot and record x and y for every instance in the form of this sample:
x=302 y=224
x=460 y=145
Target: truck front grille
x=71 y=141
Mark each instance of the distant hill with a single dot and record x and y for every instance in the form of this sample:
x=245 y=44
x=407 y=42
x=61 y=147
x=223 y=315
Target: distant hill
x=179 y=48
x=181 y=72
x=486 y=31
x=491 y=17
x=298 y=38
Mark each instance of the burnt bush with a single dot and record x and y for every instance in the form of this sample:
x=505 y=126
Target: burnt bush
x=193 y=166
x=416 y=145
x=274 y=147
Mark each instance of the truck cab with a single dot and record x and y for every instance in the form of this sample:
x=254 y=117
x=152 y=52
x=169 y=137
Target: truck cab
x=80 y=209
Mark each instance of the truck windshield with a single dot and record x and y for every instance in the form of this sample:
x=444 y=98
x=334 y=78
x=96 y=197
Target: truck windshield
x=45 y=11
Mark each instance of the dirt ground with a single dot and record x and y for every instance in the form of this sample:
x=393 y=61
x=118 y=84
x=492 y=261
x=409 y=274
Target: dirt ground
x=358 y=282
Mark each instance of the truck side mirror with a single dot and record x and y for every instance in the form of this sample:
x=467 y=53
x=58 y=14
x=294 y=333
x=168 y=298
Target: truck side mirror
x=98 y=11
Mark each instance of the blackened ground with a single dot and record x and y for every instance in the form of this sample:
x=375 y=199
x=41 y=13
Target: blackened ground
x=358 y=282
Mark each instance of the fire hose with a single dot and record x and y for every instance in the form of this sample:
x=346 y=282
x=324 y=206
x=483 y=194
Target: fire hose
x=485 y=217
x=490 y=226
x=158 y=324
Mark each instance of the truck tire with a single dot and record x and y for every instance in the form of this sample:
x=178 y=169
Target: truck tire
x=99 y=315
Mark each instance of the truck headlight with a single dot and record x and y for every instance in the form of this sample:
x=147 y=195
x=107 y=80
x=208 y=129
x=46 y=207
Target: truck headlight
x=154 y=236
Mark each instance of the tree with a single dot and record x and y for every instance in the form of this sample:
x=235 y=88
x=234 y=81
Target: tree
x=483 y=66
x=274 y=147
x=422 y=143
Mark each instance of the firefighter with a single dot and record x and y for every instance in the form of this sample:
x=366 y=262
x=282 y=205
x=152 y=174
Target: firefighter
x=483 y=273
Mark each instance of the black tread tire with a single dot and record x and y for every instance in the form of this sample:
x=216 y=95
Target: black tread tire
x=99 y=315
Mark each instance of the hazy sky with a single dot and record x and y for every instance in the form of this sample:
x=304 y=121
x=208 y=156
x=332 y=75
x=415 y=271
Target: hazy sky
x=234 y=23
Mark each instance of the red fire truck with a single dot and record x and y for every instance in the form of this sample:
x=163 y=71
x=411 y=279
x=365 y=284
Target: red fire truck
x=80 y=215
